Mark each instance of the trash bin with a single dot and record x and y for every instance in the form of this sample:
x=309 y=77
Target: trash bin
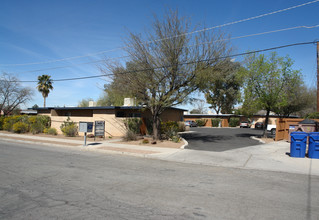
x=308 y=125
x=313 y=150
x=298 y=144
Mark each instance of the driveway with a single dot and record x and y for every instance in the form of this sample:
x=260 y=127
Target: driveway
x=220 y=139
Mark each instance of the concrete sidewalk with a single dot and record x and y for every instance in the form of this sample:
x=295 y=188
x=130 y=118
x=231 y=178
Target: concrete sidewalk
x=107 y=146
x=271 y=157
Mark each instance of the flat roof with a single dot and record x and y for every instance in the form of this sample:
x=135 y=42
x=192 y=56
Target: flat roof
x=99 y=108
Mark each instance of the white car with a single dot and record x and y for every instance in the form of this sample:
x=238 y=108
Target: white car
x=244 y=124
x=271 y=129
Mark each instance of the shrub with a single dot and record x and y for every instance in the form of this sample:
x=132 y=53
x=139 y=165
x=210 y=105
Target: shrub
x=20 y=127
x=233 y=122
x=181 y=126
x=44 y=120
x=133 y=124
x=169 y=129
x=1 y=122
x=215 y=122
x=130 y=136
x=36 y=127
x=52 y=131
x=176 y=139
x=69 y=128
x=313 y=115
x=10 y=121
x=201 y=122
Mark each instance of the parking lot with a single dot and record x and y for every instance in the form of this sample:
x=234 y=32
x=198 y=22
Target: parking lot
x=221 y=139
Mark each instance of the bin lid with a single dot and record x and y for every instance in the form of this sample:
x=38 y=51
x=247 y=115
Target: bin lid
x=308 y=121
x=314 y=133
x=296 y=133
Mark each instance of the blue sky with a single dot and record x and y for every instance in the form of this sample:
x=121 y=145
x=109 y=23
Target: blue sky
x=42 y=31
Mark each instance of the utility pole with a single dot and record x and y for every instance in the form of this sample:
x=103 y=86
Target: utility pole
x=317 y=76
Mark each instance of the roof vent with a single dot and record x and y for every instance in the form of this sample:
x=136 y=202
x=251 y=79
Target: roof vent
x=129 y=102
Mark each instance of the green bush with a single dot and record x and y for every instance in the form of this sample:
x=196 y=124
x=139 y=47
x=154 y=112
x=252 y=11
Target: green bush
x=35 y=124
x=201 y=122
x=9 y=121
x=215 y=122
x=233 y=122
x=52 y=131
x=176 y=139
x=133 y=124
x=313 y=115
x=37 y=127
x=1 y=122
x=41 y=121
x=44 y=120
x=169 y=129
x=20 y=127
x=69 y=128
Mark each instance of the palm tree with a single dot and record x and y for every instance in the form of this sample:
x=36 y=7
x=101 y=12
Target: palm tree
x=44 y=86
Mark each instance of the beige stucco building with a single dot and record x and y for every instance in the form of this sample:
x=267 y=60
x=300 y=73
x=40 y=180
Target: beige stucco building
x=113 y=116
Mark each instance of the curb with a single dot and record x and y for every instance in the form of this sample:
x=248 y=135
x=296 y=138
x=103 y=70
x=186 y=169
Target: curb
x=257 y=139
x=185 y=144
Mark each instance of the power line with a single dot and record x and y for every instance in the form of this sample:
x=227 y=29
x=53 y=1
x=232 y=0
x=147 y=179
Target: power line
x=62 y=67
x=185 y=63
x=233 y=38
x=189 y=33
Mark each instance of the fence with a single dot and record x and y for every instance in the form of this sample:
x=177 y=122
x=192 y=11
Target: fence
x=283 y=125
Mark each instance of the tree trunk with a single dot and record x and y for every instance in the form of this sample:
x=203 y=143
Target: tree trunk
x=266 y=123
x=44 y=102
x=156 y=126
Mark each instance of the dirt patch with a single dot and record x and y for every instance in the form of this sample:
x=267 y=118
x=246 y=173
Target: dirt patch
x=60 y=136
x=164 y=144
x=129 y=150
x=42 y=142
x=267 y=140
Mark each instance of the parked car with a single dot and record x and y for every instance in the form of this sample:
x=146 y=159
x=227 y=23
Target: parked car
x=191 y=123
x=259 y=125
x=244 y=124
x=271 y=129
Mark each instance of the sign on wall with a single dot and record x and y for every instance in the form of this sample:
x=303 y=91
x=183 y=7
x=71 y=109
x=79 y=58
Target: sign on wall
x=99 y=128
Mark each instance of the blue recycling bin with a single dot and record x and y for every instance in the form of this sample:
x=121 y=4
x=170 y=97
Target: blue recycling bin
x=298 y=144
x=313 y=150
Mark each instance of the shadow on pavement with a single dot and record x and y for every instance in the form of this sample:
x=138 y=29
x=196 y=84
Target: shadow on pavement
x=220 y=139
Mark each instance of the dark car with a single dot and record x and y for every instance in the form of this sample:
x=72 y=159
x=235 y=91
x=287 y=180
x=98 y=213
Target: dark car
x=191 y=123
x=259 y=125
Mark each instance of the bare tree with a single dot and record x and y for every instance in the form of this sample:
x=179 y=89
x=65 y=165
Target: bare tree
x=12 y=94
x=167 y=66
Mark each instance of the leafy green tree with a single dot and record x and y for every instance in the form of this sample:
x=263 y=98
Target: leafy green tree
x=111 y=95
x=85 y=102
x=222 y=89
x=44 y=86
x=163 y=73
x=267 y=81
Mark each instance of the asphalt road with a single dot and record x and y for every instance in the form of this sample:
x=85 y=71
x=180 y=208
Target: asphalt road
x=221 y=139
x=41 y=182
